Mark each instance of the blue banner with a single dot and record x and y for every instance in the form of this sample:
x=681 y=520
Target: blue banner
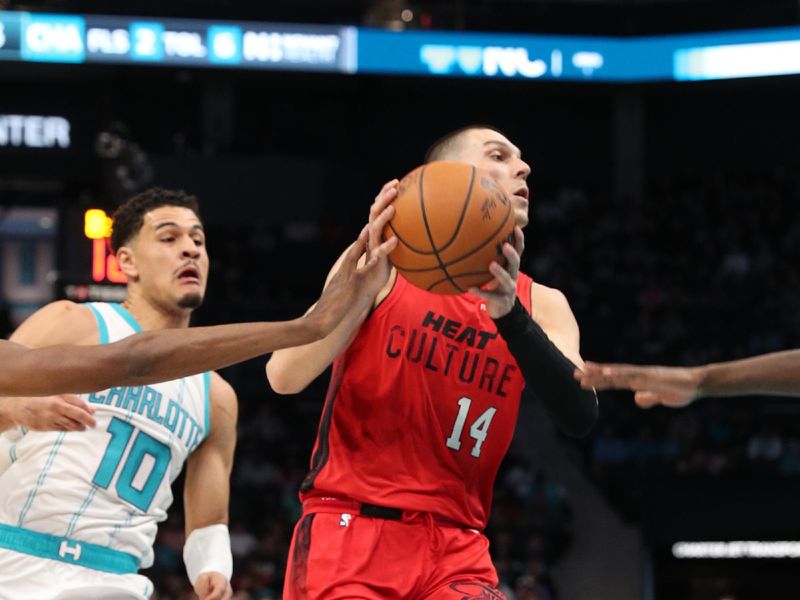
x=186 y=43
x=489 y=55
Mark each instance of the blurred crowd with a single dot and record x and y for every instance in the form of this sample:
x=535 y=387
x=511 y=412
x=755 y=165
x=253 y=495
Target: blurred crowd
x=695 y=273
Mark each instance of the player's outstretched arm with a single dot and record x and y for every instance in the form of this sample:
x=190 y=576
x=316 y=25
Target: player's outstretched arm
x=777 y=373
x=56 y=323
x=291 y=370
x=155 y=356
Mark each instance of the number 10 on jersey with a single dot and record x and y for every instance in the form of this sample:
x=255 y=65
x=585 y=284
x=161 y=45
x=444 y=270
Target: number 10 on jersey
x=143 y=446
x=477 y=431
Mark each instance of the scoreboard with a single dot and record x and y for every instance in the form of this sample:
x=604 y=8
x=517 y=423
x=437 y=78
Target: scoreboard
x=39 y=37
x=108 y=39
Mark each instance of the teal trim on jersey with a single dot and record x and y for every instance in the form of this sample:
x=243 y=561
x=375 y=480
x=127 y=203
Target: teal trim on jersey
x=207 y=385
x=112 y=536
x=101 y=323
x=40 y=480
x=66 y=550
x=82 y=509
x=12 y=453
x=123 y=312
x=181 y=392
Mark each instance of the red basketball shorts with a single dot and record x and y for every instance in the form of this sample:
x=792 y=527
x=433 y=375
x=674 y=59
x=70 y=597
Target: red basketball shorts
x=338 y=552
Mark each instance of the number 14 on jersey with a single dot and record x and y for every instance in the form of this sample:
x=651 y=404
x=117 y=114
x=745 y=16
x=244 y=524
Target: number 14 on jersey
x=477 y=431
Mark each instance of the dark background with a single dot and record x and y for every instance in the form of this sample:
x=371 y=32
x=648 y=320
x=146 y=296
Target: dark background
x=701 y=265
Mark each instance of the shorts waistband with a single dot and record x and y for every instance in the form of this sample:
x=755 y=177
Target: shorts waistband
x=67 y=550
x=329 y=504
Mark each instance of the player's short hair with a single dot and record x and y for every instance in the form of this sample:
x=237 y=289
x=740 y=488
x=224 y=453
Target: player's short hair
x=129 y=216
x=446 y=146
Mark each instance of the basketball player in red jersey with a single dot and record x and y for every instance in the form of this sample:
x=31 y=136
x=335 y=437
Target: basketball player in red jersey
x=421 y=409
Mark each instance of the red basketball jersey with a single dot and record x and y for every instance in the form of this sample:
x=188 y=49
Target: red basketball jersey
x=421 y=408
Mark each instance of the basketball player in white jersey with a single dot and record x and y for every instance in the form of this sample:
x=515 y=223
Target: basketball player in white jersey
x=79 y=510
x=155 y=356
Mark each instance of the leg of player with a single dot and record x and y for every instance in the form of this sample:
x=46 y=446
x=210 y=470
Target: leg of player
x=345 y=555
x=464 y=567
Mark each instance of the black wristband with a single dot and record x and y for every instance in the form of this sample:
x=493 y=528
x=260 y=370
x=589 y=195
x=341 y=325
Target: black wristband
x=514 y=321
x=548 y=372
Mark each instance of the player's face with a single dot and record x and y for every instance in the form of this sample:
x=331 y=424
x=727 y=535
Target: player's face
x=492 y=151
x=171 y=257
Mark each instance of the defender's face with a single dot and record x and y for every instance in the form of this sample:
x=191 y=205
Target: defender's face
x=171 y=258
x=492 y=151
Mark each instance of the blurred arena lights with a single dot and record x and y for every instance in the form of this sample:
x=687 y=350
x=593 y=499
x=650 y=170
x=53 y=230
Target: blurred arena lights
x=736 y=549
x=96 y=224
x=738 y=60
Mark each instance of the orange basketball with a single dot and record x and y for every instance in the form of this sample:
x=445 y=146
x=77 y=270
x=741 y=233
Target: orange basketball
x=451 y=221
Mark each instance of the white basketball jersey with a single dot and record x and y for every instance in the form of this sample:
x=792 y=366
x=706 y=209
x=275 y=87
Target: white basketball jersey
x=109 y=485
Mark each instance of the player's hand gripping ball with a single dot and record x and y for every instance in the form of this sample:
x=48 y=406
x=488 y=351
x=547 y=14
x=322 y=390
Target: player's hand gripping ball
x=451 y=220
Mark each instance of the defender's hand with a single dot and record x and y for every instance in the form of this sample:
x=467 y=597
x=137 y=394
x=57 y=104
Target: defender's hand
x=52 y=413
x=653 y=385
x=380 y=213
x=354 y=285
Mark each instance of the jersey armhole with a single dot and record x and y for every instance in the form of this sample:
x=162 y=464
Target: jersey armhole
x=102 y=328
x=524 y=291
x=391 y=297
